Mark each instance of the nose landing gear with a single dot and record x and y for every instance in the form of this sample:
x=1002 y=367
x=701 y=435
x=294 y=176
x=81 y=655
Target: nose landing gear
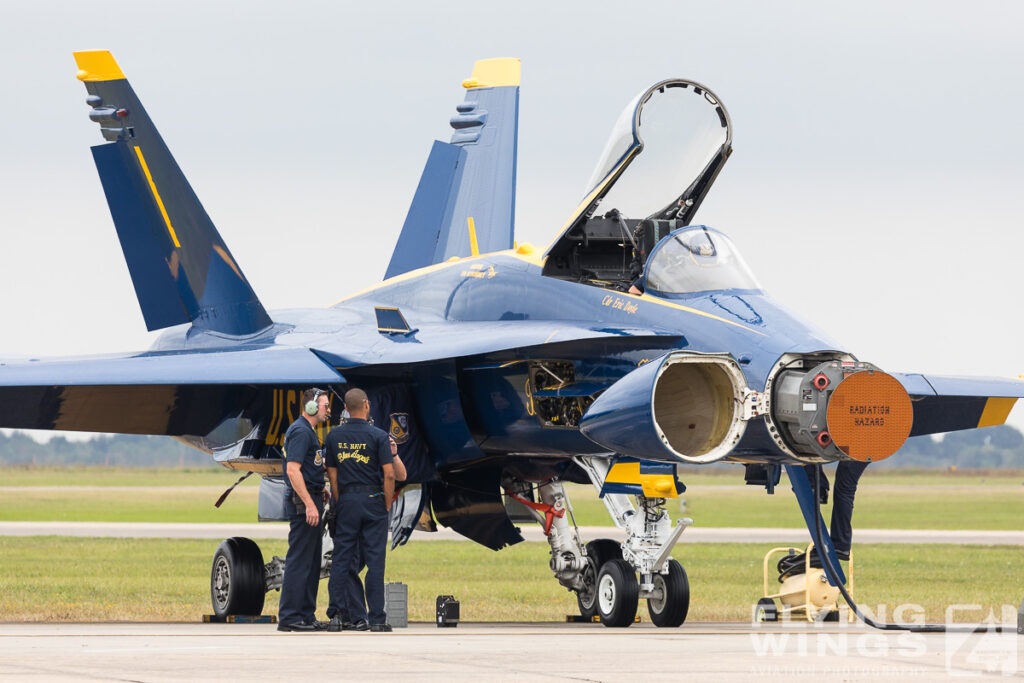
x=603 y=573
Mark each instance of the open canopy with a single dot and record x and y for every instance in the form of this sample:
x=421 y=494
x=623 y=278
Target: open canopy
x=669 y=137
x=663 y=154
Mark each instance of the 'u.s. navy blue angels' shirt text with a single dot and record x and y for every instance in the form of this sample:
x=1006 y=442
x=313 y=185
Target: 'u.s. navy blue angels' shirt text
x=358 y=450
x=302 y=445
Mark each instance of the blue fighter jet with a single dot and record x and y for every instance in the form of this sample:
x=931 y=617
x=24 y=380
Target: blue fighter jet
x=635 y=342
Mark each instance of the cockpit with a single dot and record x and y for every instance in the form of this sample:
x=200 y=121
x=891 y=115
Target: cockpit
x=633 y=223
x=696 y=259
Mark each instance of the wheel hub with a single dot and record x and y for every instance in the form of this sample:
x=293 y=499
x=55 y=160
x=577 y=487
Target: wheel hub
x=606 y=594
x=656 y=601
x=221 y=581
x=587 y=591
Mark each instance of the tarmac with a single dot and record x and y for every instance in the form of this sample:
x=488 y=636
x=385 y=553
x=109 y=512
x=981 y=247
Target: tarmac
x=501 y=652
x=530 y=533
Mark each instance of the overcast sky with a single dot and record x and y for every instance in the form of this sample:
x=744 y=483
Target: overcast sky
x=878 y=150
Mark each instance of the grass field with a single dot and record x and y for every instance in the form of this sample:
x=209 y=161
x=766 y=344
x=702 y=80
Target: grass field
x=693 y=476
x=886 y=500
x=76 y=579
x=120 y=476
x=82 y=579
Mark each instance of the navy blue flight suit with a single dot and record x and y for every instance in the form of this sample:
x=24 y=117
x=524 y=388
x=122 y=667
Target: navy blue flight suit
x=359 y=450
x=302 y=563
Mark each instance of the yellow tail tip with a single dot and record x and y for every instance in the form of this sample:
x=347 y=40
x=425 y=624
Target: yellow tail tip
x=97 y=65
x=494 y=73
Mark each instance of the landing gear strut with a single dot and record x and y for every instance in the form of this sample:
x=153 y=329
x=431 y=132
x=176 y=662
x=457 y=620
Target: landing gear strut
x=650 y=538
x=603 y=574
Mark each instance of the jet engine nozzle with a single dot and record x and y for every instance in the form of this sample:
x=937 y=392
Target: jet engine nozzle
x=683 y=407
x=842 y=410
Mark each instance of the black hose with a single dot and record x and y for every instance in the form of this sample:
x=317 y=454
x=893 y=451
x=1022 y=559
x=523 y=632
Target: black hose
x=827 y=565
x=794 y=565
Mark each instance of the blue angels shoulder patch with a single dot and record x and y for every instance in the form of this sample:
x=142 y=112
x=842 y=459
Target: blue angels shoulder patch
x=399 y=427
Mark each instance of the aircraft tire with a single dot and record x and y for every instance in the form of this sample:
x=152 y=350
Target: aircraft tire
x=236 y=578
x=671 y=610
x=618 y=593
x=599 y=551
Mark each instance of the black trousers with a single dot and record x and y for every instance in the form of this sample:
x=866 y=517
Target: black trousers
x=362 y=528
x=841 y=529
x=301 y=566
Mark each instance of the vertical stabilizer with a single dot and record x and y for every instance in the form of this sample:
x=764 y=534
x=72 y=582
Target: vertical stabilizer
x=181 y=268
x=465 y=202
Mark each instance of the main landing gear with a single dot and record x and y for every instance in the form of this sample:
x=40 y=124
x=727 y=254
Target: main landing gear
x=240 y=580
x=237 y=585
x=603 y=573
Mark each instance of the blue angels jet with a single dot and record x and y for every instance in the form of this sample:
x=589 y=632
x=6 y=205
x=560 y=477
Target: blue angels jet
x=634 y=342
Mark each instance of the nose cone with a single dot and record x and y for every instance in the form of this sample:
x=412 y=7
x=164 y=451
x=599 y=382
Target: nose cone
x=869 y=416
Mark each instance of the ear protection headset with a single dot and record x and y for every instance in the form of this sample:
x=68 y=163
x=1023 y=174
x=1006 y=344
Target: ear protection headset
x=313 y=406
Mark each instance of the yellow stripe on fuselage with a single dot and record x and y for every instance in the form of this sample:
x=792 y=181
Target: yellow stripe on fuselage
x=654 y=485
x=537 y=261
x=996 y=411
x=661 y=302
x=156 y=196
x=408 y=275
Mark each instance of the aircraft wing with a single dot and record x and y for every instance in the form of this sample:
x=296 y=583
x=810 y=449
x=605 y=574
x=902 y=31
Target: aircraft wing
x=949 y=404
x=464 y=204
x=189 y=392
x=171 y=393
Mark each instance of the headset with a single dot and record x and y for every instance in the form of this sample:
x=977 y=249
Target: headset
x=312 y=406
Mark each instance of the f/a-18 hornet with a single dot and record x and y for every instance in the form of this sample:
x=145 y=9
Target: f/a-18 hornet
x=634 y=342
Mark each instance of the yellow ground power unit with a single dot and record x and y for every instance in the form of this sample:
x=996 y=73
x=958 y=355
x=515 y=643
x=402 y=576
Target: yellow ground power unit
x=804 y=591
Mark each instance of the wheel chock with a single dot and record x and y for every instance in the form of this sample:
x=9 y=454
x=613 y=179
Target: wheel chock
x=580 y=619
x=240 y=619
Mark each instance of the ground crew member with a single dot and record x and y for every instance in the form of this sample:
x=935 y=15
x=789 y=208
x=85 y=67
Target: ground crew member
x=847 y=475
x=304 y=503
x=359 y=462
x=345 y=587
